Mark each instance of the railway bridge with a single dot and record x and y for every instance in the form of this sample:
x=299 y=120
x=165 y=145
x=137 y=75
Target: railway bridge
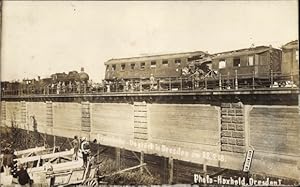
x=209 y=127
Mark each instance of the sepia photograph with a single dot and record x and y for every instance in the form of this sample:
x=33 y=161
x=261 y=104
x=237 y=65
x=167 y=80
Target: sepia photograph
x=162 y=93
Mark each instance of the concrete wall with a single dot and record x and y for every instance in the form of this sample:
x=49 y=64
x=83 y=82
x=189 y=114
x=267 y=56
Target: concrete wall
x=173 y=122
x=13 y=113
x=37 y=111
x=66 y=119
x=215 y=135
x=274 y=133
x=112 y=119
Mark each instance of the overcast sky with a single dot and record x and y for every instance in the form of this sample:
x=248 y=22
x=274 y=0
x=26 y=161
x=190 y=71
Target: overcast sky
x=45 y=37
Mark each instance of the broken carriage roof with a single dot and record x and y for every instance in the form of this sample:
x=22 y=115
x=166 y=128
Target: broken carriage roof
x=291 y=45
x=244 y=51
x=156 y=57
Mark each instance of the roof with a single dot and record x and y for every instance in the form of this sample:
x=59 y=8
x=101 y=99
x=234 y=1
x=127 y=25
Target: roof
x=291 y=45
x=155 y=57
x=240 y=52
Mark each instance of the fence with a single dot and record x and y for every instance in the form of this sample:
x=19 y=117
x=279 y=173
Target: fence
x=236 y=81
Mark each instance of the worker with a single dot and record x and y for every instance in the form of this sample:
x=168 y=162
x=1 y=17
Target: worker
x=7 y=160
x=152 y=81
x=85 y=150
x=23 y=177
x=75 y=144
x=14 y=167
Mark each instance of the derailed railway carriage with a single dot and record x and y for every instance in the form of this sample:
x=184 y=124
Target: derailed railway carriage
x=254 y=67
x=160 y=66
x=250 y=66
x=157 y=70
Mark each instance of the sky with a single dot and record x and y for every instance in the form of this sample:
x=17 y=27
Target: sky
x=40 y=38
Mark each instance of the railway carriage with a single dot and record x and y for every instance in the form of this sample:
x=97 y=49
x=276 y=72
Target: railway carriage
x=254 y=67
x=290 y=61
x=160 y=66
x=163 y=69
x=250 y=66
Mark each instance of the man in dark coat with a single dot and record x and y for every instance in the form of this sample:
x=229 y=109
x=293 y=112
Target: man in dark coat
x=23 y=177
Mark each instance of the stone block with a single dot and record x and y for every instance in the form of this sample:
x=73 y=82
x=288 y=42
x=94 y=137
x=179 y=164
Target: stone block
x=239 y=127
x=240 y=142
x=240 y=119
x=226 y=105
x=231 y=141
x=238 y=134
x=231 y=126
x=237 y=119
x=226 y=148
x=238 y=112
x=231 y=112
x=226 y=119
x=226 y=134
x=237 y=105
x=239 y=149
x=224 y=126
x=224 y=140
x=224 y=111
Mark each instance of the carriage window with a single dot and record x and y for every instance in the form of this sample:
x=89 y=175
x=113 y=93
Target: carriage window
x=132 y=66
x=165 y=62
x=143 y=65
x=178 y=62
x=250 y=61
x=122 y=66
x=113 y=67
x=222 y=64
x=153 y=64
x=236 y=62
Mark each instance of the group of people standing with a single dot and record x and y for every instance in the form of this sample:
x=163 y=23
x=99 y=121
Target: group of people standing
x=81 y=146
x=71 y=87
x=9 y=166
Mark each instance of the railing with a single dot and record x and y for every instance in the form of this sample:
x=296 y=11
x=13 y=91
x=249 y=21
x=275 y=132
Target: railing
x=272 y=80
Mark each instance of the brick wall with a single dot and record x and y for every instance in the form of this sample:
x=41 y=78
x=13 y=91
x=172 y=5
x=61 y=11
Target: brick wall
x=85 y=117
x=3 y=113
x=49 y=114
x=140 y=121
x=23 y=112
x=232 y=127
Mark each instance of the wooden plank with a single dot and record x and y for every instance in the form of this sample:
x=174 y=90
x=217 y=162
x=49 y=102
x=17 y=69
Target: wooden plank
x=124 y=170
x=46 y=156
x=171 y=170
x=59 y=167
x=26 y=151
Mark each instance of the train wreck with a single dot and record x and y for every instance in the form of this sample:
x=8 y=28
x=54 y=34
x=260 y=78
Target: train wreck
x=51 y=167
